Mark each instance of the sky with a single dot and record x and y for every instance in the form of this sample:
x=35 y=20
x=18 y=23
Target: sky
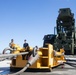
x=30 y=20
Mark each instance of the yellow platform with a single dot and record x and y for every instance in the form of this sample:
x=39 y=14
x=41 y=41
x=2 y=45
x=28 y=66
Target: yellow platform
x=48 y=58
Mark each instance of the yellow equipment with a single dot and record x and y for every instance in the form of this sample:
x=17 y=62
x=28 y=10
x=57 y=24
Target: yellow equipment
x=48 y=58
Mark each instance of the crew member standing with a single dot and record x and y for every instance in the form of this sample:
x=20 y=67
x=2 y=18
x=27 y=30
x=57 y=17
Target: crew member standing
x=25 y=45
x=11 y=43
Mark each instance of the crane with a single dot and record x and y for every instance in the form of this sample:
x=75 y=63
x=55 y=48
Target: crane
x=64 y=33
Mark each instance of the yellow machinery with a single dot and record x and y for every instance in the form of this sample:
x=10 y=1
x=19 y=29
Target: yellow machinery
x=48 y=58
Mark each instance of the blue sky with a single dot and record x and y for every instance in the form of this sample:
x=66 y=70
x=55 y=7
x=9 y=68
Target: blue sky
x=29 y=19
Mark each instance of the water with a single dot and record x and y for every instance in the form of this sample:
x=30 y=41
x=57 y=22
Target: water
x=4 y=71
x=5 y=67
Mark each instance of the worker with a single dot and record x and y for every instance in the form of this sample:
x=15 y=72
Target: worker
x=25 y=45
x=11 y=43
